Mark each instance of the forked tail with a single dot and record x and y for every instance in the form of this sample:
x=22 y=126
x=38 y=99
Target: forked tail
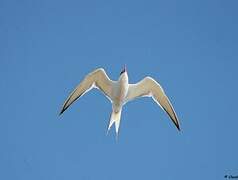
x=115 y=118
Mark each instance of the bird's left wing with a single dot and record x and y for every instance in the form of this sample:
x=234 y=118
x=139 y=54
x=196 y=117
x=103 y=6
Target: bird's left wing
x=97 y=79
x=150 y=88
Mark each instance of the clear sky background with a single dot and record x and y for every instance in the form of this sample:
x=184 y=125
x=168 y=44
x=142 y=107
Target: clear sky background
x=48 y=46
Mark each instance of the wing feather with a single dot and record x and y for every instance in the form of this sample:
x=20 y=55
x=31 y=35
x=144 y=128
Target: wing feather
x=96 y=79
x=149 y=87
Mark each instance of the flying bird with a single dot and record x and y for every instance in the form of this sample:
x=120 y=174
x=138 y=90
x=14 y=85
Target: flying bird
x=120 y=92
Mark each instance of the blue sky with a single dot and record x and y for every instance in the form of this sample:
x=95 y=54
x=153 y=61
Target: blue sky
x=48 y=46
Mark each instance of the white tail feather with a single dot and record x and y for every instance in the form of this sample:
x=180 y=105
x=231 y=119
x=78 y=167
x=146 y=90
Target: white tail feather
x=115 y=118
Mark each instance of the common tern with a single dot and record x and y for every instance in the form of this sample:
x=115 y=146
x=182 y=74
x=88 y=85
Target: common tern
x=120 y=92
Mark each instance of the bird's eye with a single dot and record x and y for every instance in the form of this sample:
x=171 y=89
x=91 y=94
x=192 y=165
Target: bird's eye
x=122 y=71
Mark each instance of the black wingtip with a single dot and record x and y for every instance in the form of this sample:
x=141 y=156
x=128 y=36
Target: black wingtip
x=176 y=123
x=178 y=127
x=61 y=112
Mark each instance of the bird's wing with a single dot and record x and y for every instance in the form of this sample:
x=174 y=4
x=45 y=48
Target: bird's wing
x=150 y=88
x=96 y=79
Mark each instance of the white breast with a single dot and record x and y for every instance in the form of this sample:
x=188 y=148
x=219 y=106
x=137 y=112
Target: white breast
x=120 y=90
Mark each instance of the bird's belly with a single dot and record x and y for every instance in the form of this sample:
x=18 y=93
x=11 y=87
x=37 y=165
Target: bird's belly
x=120 y=94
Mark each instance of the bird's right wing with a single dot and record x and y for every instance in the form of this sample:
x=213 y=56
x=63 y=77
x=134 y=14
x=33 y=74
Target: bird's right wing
x=150 y=88
x=97 y=79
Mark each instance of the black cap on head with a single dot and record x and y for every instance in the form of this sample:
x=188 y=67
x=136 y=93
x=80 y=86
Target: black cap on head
x=123 y=70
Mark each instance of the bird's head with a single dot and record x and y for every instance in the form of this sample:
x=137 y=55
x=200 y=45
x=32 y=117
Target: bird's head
x=123 y=70
x=123 y=75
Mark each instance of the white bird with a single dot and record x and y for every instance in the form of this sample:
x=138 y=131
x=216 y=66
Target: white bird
x=120 y=92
